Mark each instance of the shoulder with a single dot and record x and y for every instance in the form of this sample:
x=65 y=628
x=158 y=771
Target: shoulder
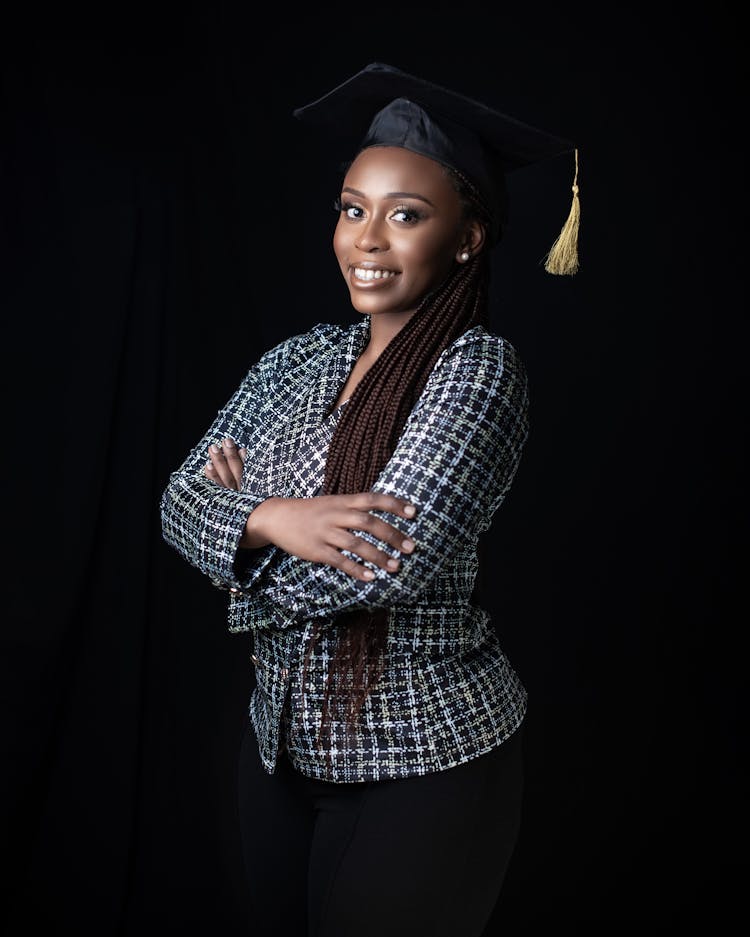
x=480 y=355
x=297 y=349
x=319 y=337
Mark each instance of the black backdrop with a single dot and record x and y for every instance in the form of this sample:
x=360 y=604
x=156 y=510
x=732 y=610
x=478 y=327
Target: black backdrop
x=164 y=221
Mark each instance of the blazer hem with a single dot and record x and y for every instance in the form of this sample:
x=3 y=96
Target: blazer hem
x=426 y=765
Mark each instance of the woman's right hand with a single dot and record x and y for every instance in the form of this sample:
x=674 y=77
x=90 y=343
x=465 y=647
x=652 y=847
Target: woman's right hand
x=318 y=529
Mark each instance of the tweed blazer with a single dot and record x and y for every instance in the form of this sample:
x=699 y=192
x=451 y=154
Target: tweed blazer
x=447 y=692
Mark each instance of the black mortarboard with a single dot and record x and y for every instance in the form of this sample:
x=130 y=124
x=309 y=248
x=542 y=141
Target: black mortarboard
x=382 y=105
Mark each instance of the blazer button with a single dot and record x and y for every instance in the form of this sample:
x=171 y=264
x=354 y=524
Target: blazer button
x=256 y=660
x=284 y=673
x=234 y=590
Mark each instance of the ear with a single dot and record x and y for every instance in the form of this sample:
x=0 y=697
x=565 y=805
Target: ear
x=472 y=241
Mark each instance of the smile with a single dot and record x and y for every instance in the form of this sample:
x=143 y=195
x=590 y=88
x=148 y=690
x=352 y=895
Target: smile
x=379 y=273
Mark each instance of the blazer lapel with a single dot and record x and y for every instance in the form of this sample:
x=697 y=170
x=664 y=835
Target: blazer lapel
x=337 y=366
x=309 y=432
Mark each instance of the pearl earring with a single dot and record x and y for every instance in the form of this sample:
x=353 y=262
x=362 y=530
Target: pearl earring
x=465 y=256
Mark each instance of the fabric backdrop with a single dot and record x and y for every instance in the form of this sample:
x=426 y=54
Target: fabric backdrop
x=164 y=221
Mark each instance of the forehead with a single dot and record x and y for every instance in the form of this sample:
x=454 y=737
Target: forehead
x=378 y=170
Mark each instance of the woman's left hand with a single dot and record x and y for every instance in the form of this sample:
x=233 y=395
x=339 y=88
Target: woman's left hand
x=225 y=463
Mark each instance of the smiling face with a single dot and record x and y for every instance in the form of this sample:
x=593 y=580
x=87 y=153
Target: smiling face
x=401 y=229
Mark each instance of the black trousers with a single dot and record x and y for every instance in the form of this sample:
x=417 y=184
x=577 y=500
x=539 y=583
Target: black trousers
x=421 y=856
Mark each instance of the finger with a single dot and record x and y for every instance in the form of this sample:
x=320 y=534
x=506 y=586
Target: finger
x=346 y=540
x=380 y=529
x=235 y=463
x=243 y=454
x=222 y=472
x=350 y=567
x=378 y=500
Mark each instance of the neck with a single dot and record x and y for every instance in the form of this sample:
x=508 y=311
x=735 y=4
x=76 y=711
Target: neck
x=383 y=327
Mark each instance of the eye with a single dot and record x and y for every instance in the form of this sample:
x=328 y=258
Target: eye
x=408 y=215
x=349 y=208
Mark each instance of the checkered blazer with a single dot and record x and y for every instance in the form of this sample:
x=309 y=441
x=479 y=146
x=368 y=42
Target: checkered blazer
x=447 y=693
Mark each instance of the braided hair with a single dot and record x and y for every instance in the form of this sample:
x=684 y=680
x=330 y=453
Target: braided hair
x=363 y=441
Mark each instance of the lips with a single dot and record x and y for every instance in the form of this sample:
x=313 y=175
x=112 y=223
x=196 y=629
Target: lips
x=377 y=274
x=371 y=273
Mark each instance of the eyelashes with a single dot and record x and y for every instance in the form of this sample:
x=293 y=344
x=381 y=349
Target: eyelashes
x=413 y=214
x=340 y=206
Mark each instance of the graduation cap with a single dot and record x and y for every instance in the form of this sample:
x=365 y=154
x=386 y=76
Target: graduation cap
x=384 y=106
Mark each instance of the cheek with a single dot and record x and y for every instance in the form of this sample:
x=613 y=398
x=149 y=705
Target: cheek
x=341 y=242
x=428 y=257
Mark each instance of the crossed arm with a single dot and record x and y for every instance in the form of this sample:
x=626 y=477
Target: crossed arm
x=455 y=461
x=203 y=521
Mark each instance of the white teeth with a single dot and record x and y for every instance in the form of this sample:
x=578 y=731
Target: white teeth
x=369 y=274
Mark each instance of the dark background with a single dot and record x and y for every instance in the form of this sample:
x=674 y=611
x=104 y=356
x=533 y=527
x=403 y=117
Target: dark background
x=164 y=221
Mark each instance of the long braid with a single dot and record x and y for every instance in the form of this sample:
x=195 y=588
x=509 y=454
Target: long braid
x=364 y=439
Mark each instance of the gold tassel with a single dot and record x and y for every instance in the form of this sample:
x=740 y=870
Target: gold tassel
x=563 y=255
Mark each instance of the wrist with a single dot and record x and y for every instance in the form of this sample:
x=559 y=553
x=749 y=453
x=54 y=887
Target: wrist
x=257 y=533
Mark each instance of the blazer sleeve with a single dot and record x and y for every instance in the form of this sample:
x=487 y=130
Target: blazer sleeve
x=455 y=461
x=201 y=519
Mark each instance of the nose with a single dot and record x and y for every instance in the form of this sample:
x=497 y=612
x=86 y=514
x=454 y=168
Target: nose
x=371 y=236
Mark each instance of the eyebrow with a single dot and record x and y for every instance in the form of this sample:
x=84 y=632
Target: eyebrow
x=390 y=195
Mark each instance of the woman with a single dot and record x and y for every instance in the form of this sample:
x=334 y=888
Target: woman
x=348 y=480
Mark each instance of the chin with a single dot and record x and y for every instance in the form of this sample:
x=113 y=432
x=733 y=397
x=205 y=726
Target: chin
x=374 y=304
x=370 y=306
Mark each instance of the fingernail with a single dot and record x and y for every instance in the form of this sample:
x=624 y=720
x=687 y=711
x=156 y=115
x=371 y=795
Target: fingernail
x=214 y=447
x=209 y=466
x=407 y=545
x=368 y=574
x=229 y=442
x=392 y=564
x=409 y=509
